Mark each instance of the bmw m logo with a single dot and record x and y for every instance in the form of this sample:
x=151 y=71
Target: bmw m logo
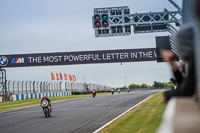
x=3 y=61
x=17 y=60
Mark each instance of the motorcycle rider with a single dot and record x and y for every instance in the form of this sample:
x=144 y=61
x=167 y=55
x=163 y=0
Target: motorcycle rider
x=94 y=93
x=119 y=90
x=112 y=91
x=46 y=98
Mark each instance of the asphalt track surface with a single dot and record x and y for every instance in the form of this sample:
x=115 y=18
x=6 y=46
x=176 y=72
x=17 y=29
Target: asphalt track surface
x=74 y=116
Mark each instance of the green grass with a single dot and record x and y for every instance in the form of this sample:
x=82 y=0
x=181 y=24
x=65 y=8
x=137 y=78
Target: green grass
x=145 y=118
x=11 y=105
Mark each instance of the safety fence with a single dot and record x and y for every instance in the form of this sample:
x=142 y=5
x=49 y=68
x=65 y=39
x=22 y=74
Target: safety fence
x=20 y=90
x=28 y=87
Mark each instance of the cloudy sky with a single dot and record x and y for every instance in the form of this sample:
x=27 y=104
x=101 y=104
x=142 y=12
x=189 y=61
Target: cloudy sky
x=46 y=26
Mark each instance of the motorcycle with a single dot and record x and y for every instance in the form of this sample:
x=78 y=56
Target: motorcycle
x=93 y=94
x=112 y=91
x=119 y=91
x=46 y=108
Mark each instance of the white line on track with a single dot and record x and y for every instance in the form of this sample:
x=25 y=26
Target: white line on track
x=119 y=116
x=17 y=104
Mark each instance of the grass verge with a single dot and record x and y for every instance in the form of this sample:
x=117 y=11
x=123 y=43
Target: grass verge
x=145 y=118
x=11 y=105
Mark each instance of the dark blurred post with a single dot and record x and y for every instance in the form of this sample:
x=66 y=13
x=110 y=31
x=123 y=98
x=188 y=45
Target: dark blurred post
x=197 y=46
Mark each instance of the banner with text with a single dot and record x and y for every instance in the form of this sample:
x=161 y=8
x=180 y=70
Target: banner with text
x=80 y=57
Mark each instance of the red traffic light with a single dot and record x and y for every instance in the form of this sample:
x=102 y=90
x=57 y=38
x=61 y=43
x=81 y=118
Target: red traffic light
x=105 y=23
x=97 y=24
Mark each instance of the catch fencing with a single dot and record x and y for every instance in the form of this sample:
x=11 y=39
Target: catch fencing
x=27 y=87
x=34 y=88
x=20 y=90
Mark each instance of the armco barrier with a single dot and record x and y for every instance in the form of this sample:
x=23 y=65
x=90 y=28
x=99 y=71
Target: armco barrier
x=39 y=95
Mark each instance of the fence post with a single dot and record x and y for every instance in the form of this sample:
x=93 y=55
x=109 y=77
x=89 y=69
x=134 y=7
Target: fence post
x=57 y=86
x=34 y=86
x=65 y=86
x=13 y=87
x=60 y=86
x=52 y=87
x=9 y=87
x=26 y=87
x=40 y=87
x=22 y=87
x=43 y=85
x=30 y=86
x=37 y=86
x=18 y=86
x=72 y=87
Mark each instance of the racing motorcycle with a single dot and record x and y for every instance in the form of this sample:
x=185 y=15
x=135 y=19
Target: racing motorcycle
x=112 y=91
x=46 y=108
x=93 y=93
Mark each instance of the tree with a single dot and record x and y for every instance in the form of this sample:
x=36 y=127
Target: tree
x=155 y=84
x=132 y=86
x=144 y=85
x=162 y=85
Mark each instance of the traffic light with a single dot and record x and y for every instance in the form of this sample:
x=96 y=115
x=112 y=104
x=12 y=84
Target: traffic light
x=97 y=23
x=101 y=21
x=104 y=16
x=104 y=20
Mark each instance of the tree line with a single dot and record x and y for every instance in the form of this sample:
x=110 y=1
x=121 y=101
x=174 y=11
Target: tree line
x=155 y=85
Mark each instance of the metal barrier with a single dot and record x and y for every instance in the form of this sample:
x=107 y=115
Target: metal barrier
x=29 y=87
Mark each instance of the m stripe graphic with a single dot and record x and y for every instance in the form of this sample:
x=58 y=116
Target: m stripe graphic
x=13 y=60
x=17 y=60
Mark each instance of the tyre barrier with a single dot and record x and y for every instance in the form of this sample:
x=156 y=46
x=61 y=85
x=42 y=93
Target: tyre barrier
x=18 y=97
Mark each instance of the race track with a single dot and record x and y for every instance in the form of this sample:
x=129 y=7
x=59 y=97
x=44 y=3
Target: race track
x=74 y=116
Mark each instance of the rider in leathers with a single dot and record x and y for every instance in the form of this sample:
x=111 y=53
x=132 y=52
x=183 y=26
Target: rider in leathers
x=46 y=98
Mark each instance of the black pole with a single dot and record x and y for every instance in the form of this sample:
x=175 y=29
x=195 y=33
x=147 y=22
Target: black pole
x=26 y=87
x=22 y=87
x=18 y=86
x=13 y=87
x=34 y=86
